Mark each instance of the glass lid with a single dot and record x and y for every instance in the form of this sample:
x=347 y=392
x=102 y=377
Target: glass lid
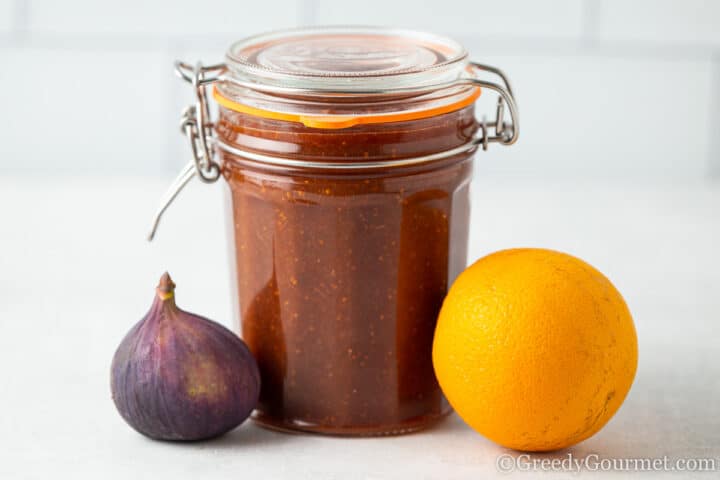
x=346 y=59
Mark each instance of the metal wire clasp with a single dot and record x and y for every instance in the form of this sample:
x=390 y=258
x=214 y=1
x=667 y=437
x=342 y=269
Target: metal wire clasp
x=197 y=126
x=196 y=123
x=505 y=133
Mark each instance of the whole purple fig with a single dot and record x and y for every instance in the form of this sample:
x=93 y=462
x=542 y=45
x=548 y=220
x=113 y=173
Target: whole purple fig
x=179 y=376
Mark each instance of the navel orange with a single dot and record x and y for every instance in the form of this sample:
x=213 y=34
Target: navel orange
x=534 y=349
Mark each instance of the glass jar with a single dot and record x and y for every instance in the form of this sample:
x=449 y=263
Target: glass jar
x=348 y=156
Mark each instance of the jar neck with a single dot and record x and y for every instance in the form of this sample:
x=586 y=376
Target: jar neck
x=360 y=143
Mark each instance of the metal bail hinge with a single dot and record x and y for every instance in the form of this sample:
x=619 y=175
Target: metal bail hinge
x=505 y=133
x=195 y=123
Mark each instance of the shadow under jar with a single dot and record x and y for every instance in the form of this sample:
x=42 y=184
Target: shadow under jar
x=348 y=153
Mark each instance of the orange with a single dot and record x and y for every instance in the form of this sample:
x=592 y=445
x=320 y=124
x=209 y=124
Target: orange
x=534 y=349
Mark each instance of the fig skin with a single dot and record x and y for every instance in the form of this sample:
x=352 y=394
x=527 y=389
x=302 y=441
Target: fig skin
x=179 y=376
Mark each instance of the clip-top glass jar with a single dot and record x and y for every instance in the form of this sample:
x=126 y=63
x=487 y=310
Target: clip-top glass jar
x=348 y=156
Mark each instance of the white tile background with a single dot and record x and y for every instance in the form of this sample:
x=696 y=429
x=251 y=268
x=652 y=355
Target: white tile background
x=606 y=88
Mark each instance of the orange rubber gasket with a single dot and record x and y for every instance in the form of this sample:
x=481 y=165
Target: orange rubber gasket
x=343 y=121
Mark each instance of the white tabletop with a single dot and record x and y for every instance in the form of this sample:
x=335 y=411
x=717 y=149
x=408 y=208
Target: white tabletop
x=76 y=273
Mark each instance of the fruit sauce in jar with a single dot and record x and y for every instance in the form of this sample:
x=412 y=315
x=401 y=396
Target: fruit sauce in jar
x=348 y=153
x=341 y=276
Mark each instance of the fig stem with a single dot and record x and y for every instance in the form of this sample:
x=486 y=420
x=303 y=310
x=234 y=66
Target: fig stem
x=166 y=287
